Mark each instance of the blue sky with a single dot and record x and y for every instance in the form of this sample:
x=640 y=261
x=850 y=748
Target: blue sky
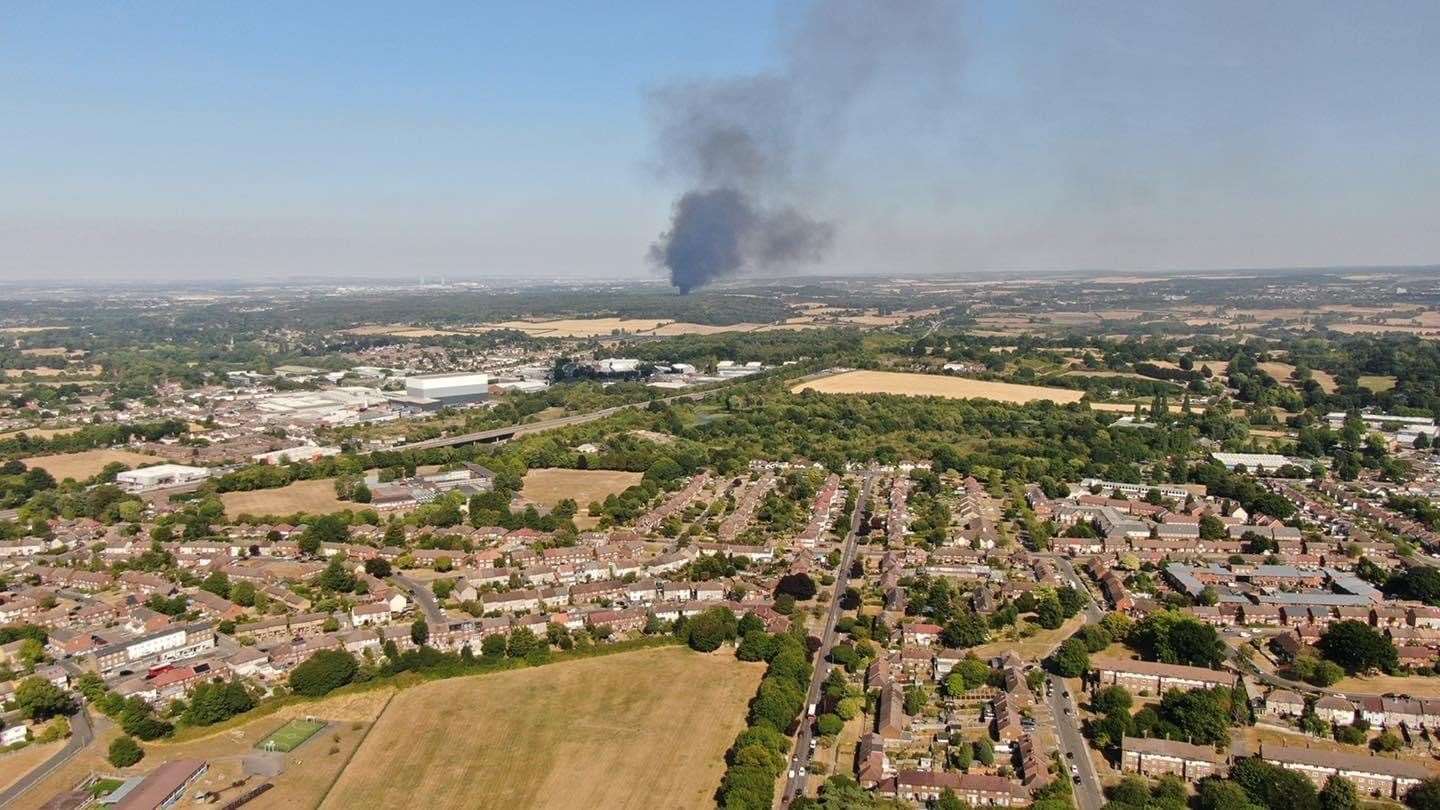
x=161 y=140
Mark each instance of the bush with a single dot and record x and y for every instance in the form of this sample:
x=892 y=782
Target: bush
x=125 y=752
x=323 y=672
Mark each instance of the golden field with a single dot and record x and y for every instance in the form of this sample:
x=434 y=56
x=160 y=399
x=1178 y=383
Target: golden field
x=931 y=385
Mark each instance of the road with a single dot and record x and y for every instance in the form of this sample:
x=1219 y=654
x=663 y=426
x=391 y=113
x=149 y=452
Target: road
x=1073 y=750
x=800 y=762
x=434 y=616
x=81 y=733
x=1092 y=610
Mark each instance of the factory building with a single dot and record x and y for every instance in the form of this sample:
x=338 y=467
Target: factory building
x=160 y=476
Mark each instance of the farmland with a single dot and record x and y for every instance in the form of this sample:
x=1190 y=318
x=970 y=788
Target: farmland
x=930 y=385
x=86 y=464
x=640 y=730
x=316 y=497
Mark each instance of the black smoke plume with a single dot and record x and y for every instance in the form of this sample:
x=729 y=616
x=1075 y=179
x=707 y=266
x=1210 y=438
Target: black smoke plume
x=735 y=143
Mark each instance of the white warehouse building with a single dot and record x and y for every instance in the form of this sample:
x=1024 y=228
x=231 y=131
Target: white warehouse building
x=448 y=386
x=160 y=476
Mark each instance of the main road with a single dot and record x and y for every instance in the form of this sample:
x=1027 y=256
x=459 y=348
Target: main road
x=1088 y=794
x=800 y=762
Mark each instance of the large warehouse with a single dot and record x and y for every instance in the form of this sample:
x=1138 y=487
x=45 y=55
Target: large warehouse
x=448 y=389
x=160 y=476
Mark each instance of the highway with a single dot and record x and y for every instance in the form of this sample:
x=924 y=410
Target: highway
x=1073 y=751
x=81 y=733
x=800 y=763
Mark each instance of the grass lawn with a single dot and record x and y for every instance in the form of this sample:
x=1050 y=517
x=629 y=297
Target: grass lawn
x=289 y=736
x=645 y=729
x=88 y=463
x=1418 y=686
x=1378 y=383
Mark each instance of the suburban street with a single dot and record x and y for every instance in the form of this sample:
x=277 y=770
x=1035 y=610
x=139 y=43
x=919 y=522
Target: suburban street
x=800 y=761
x=1073 y=750
x=434 y=616
x=81 y=733
x=1092 y=610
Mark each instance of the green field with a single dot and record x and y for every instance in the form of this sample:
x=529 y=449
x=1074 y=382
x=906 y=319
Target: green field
x=289 y=736
x=1376 y=382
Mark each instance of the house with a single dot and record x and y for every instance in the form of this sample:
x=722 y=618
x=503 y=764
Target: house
x=1335 y=709
x=976 y=790
x=1284 y=703
x=1152 y=678
x=920 y=634
x=1153 y=757
x=373 y=613
x=1371 y=775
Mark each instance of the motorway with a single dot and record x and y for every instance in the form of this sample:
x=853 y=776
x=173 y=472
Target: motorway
x=81 y=733
x=799 y=767
x=1073 y=750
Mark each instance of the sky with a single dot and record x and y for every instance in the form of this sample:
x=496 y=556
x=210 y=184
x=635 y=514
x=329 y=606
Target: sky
x=146 y=141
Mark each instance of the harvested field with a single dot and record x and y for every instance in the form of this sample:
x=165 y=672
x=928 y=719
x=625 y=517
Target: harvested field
x=316 y=497
x=88 y=463
x=644 y=729
x=579 y=327
x=682 y=328
x=931 y=385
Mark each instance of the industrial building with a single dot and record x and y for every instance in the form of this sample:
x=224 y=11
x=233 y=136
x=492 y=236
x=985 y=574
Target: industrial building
x=160 y=476
x=435 y=391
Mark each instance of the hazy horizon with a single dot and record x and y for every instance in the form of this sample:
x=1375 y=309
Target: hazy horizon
x=160 y=142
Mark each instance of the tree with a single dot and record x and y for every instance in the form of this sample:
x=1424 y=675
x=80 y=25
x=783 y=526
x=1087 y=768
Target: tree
x=1071 y=660
x=1424 y=796
x=337 y=577
x=915 y=700
x=1388 y=742
x=829 y=724
x=522 y=641
x=378 y=568
x=492 y=646
x=949 y=801
x=707 y=631
x=1358 y=648
x=323 y=672
x=1214 y=793
x=124 y=752
x=1111 y=699
x=217 y=583
x=1273 y=786
x=211 y=703
x=798 y=586
x=1338 y=794
x=39 y=699
x=419 y=632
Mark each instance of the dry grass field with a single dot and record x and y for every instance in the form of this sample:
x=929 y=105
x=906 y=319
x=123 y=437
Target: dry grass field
x=1418 y=686
x=1378 y=383
x=39 y=432
x=1282 y=372
x=922 y=385
x=548 y=487
x=310 y=770
x=16 y=764
x=316 y=497
x=645 y=729
x=85 y=464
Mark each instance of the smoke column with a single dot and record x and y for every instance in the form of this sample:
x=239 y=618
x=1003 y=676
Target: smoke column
x=734 y=143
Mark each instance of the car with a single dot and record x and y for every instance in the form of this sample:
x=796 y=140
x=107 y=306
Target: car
x=1069 y=754
x=1067 y=710
x=1074 y=770
x=1075 y=779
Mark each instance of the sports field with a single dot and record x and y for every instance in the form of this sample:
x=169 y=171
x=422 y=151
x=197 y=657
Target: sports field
x=289 y=736
x=933 y=385
x=645 y=729
x=86 y=464
x=316 y=497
